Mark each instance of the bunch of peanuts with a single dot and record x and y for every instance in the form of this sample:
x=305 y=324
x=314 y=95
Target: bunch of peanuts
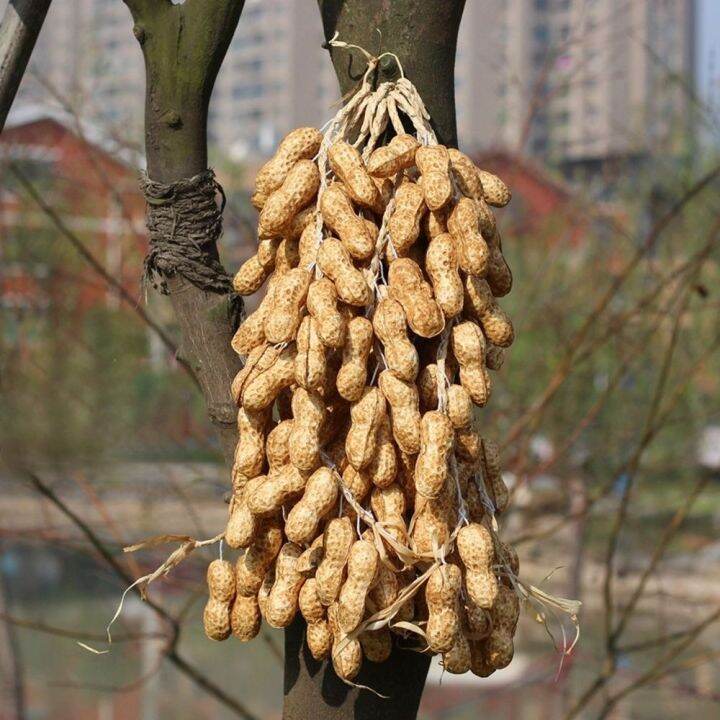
x=363 y=493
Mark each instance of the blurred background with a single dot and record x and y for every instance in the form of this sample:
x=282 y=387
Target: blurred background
x=603 y=117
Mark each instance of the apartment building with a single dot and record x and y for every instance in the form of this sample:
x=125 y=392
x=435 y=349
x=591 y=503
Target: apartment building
x=566 y=81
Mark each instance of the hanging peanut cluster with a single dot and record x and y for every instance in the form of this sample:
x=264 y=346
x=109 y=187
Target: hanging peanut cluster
x=363 y=492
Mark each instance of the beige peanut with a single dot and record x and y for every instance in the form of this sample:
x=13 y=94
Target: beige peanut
x=464 y=225
x=492 y=474
x=475 y=547
x=277 y=449
x=346 y=163
x=338 y=215
x=311 y=358
x=305 y=437
x=266 y=378
x=320 y=495
x=282 y=322
x=408 y=286
x=465 y=174
x=436 y=444
x=398 y=155
x=245 y=619
x=362 y=567
x=221 y=589
x=250 y=449
x=390 y=328
x=256 y=270
x=468 y=346
x=250 y=568
x=366 y=416
x=496 y=192
x=480 y=304
x=388 y=506
x=352 y=376
x=273 y=491
x=404 y=223
x=433 y=162
x=442 y=594
x=296 y=192
x=346 y=652
x=441 y=264
x=404 y=411
x=322 y=301
x=383 y=465
x=334 y=260
x=283 y=598
x=301 y=143
x=337 y=541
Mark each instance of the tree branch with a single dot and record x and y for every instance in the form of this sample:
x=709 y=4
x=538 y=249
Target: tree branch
x=19 y=31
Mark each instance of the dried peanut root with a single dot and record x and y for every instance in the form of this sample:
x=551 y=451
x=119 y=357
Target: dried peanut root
x=373 y=347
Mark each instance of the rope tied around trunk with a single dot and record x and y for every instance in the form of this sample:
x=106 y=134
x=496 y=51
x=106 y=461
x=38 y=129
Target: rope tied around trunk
x=184 y=222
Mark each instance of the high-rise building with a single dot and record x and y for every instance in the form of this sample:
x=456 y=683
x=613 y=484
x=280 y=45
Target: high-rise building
x=571 y=81
x=576 y=81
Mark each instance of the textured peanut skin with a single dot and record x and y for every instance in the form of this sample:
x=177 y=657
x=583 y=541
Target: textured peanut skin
x=277 y=448
x=481 y=305
x=465 y=174
x=346 y=654
x=383 y=465
x=352 y=376
x=251 y=333
x=296 y=192
x=334 y=260
x=216 y=619
x=467 y=445
x=322 y=301
x=496 y=192
x=318 y=499
x=436 y=444
x=301 y=143
x=287 y=257
x=339 y=216
x=441 y=264
x=404 y=223
x=441 y=594
x=376 y=645
x=245 y=617
x=319 y=640
x=464 y=226
x=459 y=406
x=435 y=223
x=305 y=436
x=398 y=155
x=338 y=539
x=282 y=601
x=267 y=373
x=282 y=322
x=504 y=614
x=311 y=557
x=311 y=358
x=468 y=345
x=250 y=450
x=221 y=588
x=492 y=474
x=309 y=602
x=362 y=568
x=433 y=162
x=391 y=329
x=388 y=505
x=346 y=163
x=499 y=276
x=274 y=490
x=427 y=385
x=242 y=525
x=250 y=568
x=474 y=545
x=409 y=288
x=434 y=519
x=366 y=416
x=404 y=411
x=256 y=269
x=457 y=661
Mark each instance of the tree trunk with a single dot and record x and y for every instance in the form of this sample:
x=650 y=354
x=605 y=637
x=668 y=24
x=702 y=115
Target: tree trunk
x=19 y=31
x=184 y=46
x=423 y=34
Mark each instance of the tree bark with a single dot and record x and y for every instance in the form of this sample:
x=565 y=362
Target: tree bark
x=184 y=46
x=423 y=34
x=19 y=31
